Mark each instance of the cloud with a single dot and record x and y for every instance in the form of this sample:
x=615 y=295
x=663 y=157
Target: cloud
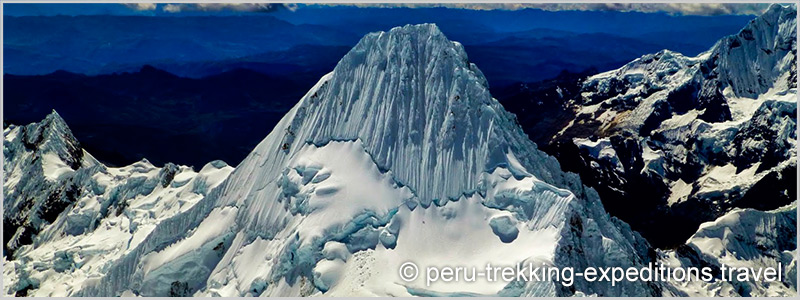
x=705 y=9
x=239 y=7
x=141 y=6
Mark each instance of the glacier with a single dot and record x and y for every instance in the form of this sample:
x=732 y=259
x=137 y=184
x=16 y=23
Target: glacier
x=400 y=154
x=67 y=217
x=688 y=139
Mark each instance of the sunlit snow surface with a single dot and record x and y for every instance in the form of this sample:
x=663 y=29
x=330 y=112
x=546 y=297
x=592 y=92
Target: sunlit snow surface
x=399 y=154
x=98 y=228
x=743 y=238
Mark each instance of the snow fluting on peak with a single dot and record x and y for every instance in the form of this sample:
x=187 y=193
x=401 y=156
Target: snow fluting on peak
x=753 y=61
x=399 y=154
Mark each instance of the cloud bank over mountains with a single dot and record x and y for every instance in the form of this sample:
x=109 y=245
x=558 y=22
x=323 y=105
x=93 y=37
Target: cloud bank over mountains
x=706 y=9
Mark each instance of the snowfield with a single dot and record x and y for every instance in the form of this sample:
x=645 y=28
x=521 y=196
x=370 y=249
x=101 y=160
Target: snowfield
x=400 y=154
x=743 y=238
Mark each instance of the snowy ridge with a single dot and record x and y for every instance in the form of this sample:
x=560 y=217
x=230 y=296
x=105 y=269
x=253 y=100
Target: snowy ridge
x=401 y=154
x=36 y=156
x=760 y=58
x=698 y=135
x=752 y=61
x=743 y=238
x=71 y=216
x=396 y=155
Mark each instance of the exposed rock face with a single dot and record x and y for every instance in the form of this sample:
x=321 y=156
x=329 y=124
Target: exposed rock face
x=686 y=139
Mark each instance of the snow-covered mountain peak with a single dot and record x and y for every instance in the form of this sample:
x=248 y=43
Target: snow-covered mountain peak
x=664 y=59
x=697 y=135
x=759 y=59
x=639 y=77
x=396 y=154
x=410 y=45
x=35 y=156
x=70 y=213
x=752 y=61
x=55 y=122
x=418 y=106
x=51 y=135
x=400 y=154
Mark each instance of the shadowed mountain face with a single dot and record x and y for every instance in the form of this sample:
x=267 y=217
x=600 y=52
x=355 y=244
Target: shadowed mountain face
x=671 y=141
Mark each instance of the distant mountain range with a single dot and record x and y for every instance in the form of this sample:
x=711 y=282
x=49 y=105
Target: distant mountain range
x=196 y=46
x=401 y=154
x=151 y=113
x=100 y=44
x=90 y=68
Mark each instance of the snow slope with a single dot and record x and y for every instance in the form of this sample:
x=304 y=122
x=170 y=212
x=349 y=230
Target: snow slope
x=400 y=154
x=743 y=238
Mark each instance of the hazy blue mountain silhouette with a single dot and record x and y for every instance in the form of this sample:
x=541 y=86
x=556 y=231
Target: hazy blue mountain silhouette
x=122 y=118
x=214 y=85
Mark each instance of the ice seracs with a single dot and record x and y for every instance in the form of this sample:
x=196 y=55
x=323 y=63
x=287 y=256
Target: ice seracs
x=68 y=217
x=400 y=154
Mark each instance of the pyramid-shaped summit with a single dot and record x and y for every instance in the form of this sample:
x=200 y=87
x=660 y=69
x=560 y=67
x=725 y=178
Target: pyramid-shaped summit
x=418 y=105
x=399 y=154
